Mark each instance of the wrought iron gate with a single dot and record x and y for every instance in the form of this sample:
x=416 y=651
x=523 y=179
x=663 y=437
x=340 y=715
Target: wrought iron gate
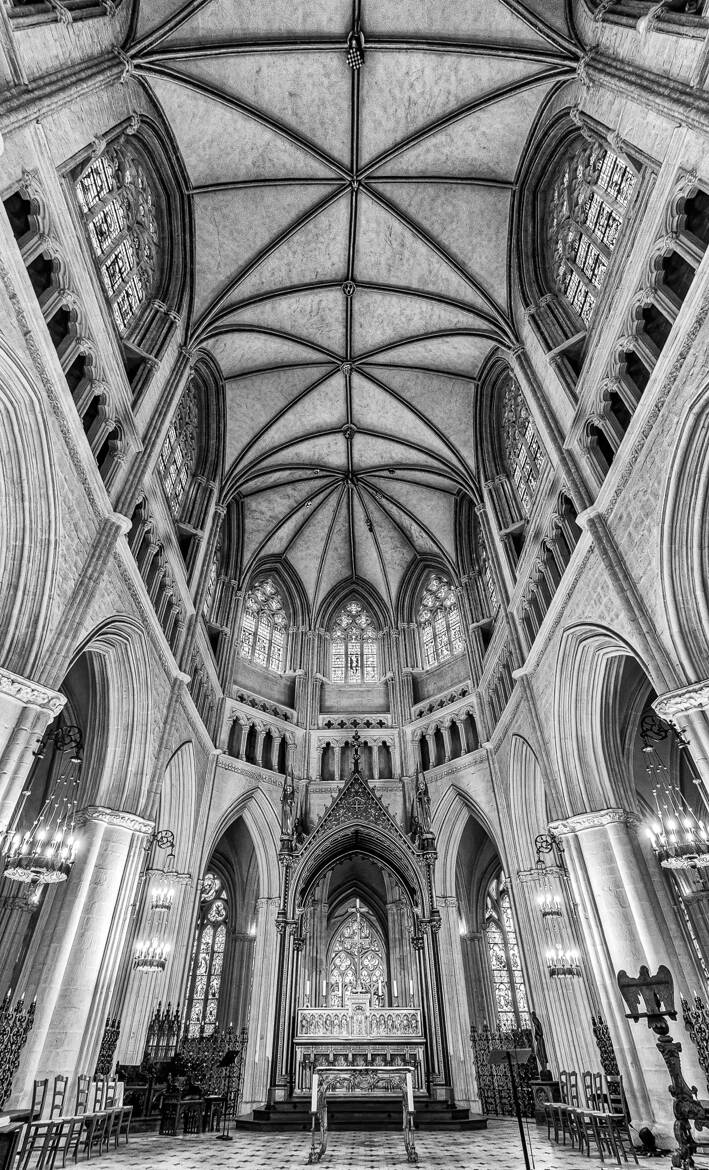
x=494 y=1083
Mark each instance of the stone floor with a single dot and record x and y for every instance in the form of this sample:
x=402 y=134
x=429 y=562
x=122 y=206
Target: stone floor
x=497 y=1148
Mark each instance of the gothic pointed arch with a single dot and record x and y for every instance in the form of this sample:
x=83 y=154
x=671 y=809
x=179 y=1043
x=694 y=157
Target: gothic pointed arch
x=29 y=519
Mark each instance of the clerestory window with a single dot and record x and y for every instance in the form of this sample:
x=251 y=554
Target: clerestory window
x=523 y=453
x=264 y=627
x=118 y=207
x=179 y=451
x=354 y=647
x=439 y=621
x=586 y=211
x=207 y=958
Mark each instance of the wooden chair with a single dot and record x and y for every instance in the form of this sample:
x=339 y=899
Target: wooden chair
x=99 y=1094
x=71 y=1137
x=619 y=1116
x=95 y=1132
x=39 y=1096
x=124 y=1124
x=83 y=1088
x=58 y=1095
x=41 y=1141
x=560 y=1109
x=109 y=1096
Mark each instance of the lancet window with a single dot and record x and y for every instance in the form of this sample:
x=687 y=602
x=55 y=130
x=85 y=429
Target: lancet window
x=503 y=951
x=523 y=452
x=208 y=958
x=179 y=451
x=264 y=627
x=586 y=210
x=356 y=959
x=439 y=621
x=354 y=646
x=211 y=586
x=486 y=575
x=118 y=207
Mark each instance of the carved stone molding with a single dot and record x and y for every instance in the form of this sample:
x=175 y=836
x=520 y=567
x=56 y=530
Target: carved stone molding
x=30 y=693
x=591 y=820
x=695 y=697
x=116 y=819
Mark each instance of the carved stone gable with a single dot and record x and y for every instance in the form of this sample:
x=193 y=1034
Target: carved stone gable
x=356 y=802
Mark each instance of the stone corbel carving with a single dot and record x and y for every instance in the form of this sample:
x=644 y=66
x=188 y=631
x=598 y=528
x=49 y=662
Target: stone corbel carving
x=692 y=698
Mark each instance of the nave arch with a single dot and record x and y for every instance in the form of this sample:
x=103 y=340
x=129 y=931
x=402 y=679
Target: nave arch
x=30 y=520
x=684 y=556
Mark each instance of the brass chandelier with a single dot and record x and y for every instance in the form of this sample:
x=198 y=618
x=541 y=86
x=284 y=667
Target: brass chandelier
x=44 y=852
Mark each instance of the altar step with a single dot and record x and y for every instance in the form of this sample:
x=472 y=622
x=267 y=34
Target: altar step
x=360 y=1113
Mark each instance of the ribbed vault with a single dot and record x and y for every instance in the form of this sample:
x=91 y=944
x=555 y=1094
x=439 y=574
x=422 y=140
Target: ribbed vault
x=352 y=251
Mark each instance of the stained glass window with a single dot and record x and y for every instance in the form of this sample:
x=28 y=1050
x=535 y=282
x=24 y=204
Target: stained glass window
x=179 y=451
x=503 y=952
x=523 y=452
x=587 y=206
x=354 y=647
x=117 y=203
x=207 y=958
x=356 y=958
x=439 y=621
x=264 y=627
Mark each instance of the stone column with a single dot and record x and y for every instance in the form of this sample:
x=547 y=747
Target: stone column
x=465 y=1091
x=623 y=921
x=337 y=749
x=564 y=1006
x=431 y=741
x=26 y=709
x=263 y=1007
x=481 y=1002
x=237 y=1010
x=258 y=749
x=447 y=742
x=375 y=758
x=463 y=732
x=73 y=961
x=140 y=992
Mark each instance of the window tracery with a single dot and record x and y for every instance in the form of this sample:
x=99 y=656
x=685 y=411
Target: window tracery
x=118 y=206
x=263 y=627
x=586 y=210
x=522 y=450
x=356 y=959
x=208 y=958
x=354 y=647
x=486 y=575
x=503 y=952
x=439 y=621
x=179 y=451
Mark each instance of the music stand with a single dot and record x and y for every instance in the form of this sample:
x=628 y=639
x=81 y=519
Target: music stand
x=227 y=1062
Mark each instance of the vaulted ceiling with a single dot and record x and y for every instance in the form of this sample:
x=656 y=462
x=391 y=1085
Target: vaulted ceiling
x=351 y=264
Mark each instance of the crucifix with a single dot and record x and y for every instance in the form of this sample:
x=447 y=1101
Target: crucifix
x=359 y=912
